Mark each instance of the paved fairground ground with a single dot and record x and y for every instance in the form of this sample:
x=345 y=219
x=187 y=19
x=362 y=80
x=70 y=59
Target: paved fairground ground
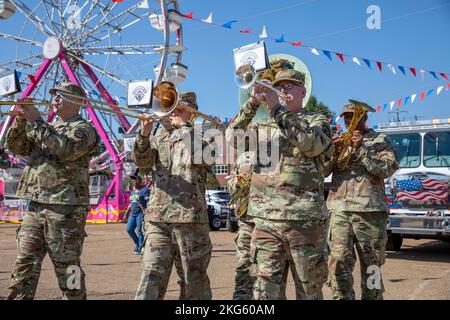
x=421 y=270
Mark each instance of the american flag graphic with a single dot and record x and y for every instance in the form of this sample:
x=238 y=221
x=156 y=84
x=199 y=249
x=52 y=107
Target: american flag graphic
x=427 y=190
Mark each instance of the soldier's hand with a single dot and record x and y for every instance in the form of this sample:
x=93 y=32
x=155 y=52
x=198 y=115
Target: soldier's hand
x=337 y=140
x=357 y=139
x=147 y=125
x=30 y=113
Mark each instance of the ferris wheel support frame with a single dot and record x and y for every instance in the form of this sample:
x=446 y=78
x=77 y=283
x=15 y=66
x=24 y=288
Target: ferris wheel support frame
x=106 y=210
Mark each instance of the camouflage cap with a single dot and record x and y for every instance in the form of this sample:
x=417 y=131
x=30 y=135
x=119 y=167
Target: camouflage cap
x=289 y=75
x=67 y=87
x=189 y=98
x=135 y=175
x=350 y=107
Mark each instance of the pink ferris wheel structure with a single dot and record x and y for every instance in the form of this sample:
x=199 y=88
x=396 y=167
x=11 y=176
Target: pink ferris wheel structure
x=68 y=42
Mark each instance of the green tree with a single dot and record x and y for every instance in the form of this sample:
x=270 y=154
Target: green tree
x=318 y=106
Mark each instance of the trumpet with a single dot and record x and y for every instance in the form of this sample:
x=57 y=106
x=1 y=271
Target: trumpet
x=246 y=76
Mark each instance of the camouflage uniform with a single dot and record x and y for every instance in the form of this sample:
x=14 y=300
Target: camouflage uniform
x=176 y=220
x=56 y=181
x=246 y=271
x=287 y=202
x=359 y=214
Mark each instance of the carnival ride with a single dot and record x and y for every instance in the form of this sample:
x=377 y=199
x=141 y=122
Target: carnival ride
x=82 y=42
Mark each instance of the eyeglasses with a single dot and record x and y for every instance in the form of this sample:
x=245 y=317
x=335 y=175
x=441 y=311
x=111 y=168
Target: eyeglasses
x=286 y=87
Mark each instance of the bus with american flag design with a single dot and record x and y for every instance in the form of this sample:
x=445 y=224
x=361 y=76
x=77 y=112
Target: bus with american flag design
x=418 y=193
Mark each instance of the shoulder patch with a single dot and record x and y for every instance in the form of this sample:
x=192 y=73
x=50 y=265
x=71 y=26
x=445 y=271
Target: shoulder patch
x=326 y=129
x=80 y=134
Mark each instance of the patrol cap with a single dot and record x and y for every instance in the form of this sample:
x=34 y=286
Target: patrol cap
x=135 y=175
x=190 y=98
x=289 y=75
x=67 y=87
x=350 y=107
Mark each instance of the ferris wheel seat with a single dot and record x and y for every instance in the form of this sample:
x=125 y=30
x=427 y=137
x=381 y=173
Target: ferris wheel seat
x=7 y=9
x=157 y=21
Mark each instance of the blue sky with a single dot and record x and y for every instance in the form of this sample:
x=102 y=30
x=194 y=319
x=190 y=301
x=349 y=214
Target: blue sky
x=413 y=33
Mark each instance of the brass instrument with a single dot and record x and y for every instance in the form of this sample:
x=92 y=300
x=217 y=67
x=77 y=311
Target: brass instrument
x=346 y=150
x=246 y=76
x=240 y=195
x=165 y=100
x=239 y=184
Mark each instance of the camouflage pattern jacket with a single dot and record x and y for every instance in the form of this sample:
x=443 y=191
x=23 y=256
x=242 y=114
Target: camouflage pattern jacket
x=57 y=170
x=292 y=187
x=179 y=183
x=360 y=187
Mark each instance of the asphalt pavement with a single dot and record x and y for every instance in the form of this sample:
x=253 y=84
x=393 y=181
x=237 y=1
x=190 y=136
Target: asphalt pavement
x=421 y=270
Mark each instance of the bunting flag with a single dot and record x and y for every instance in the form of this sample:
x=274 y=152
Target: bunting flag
x=406 y=100
x=368 y=63
x=434 y=75
x=280 y=38
x=422 y=95
x=32 y=78
x=340 y=56
x=391 y=67
x=422 y=74
x=263 y=34
x=228 y=24
x=209 y=19
x=327 y=53
x=379 y=65
x=143 y=5
x=315 y=51
x=188 y=16
x=19 y=74
x=378 y=108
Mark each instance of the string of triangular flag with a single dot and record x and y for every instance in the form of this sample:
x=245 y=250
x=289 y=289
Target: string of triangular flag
x=370 y=63
x=408 y=99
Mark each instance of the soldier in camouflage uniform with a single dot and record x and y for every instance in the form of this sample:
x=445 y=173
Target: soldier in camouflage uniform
x=56 y=182
x=359 y=211
x=245 y=273
x=287 y=198
x=176 y=220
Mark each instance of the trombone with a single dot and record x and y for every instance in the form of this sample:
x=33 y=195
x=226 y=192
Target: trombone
x=165 y=100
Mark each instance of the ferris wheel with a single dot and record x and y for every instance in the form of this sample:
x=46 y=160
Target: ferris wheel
x=86 y=38
x=98 y=44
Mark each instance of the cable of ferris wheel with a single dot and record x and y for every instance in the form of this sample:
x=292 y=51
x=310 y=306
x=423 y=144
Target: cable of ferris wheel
x=11 y=37
x=17 y=61
x=30 y=16
x=121 y=29
x=113 y=77
x=101 y=25
x=56 y=26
